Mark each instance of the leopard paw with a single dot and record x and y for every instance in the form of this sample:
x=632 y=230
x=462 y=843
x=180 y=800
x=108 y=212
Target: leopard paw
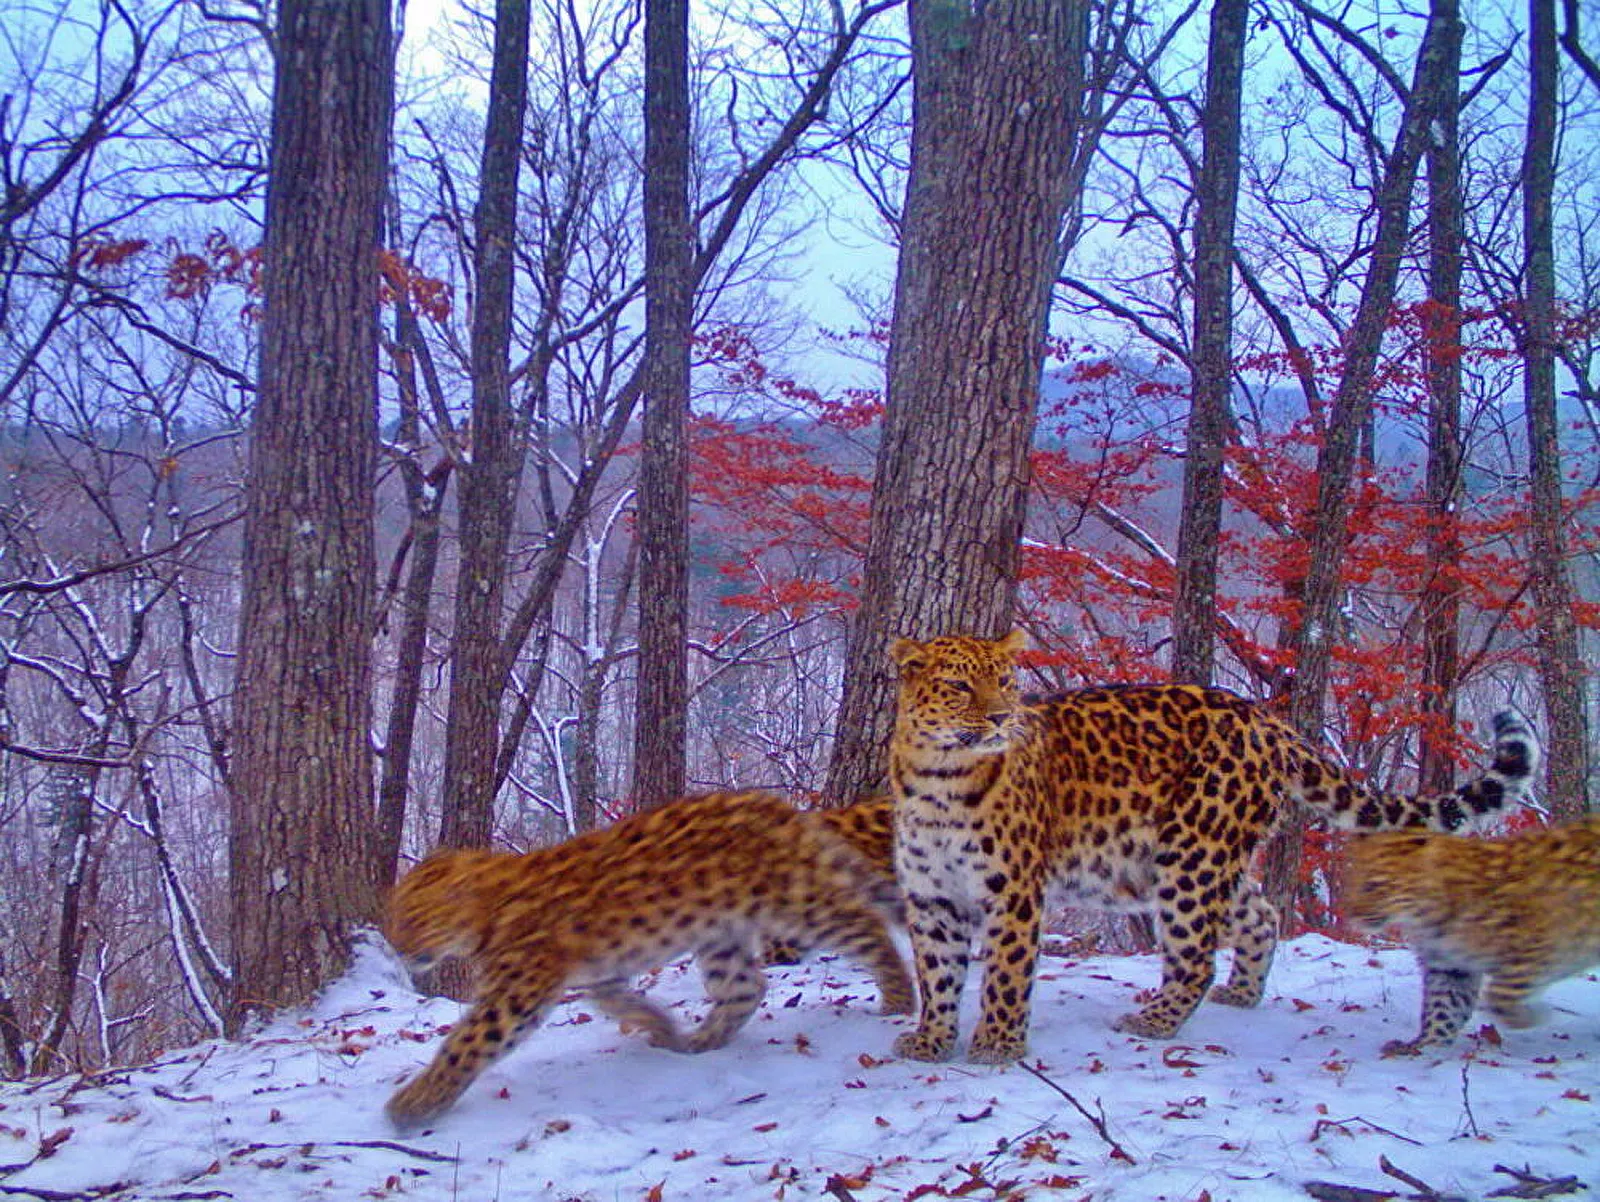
x=414 y=1104
x=1402 y=1047
x=1234 y=995
x=1147 y=1025
x=997 y=1049
x=914 y=1045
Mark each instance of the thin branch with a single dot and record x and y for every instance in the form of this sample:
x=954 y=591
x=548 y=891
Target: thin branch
x=1098 y=1122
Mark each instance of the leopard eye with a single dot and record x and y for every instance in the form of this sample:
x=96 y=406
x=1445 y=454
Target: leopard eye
x=960 y=686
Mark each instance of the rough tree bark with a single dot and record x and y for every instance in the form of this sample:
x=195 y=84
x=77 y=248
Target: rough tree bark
x=1441 y=595
x=661 y=724
x=303 y=873
x=488 y=477
x=1560 y=667
x=996 y=88
x=1211 y=360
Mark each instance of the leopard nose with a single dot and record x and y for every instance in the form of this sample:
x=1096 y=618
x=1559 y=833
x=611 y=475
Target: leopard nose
x=1000 y=718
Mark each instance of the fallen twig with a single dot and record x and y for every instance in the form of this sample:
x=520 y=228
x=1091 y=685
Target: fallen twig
x=1327 y=1191
x=386 y=1144
x=1424 y=1190
x=1098 y=1122
x=1531 y=1186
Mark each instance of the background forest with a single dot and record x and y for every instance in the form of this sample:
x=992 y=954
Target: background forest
x=1452 y=414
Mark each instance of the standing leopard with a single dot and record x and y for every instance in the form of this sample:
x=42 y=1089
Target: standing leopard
x=1134 y=798
x=1522 y=911
x=716 y=876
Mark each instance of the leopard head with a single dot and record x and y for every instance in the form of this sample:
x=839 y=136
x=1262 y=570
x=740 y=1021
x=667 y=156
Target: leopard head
x=440 y=910
x=957 y=694
x=1381 y=875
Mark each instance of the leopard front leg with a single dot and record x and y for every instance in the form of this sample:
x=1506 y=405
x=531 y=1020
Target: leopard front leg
x=513 y=1001
x=941 y=936
x=1448 y=995
x=1010 y=953
x=1189 y=921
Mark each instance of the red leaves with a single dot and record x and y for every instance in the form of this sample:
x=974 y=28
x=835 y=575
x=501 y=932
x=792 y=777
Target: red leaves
x=430 y=297
x=101 y=252
x=192 y=275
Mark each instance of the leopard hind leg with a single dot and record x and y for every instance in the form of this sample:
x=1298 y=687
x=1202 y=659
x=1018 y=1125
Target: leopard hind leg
x=1448 y=995
x=735 y=984
x=632 y=1009
x=1253 y=935
x=859 y=931
x=1192 y=913
x=1507 y=995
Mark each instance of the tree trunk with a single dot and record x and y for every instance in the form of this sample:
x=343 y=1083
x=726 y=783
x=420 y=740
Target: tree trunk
x=995 y=96
x=1211 y=365
x=1441 y=595
x=1560 y=668
x=303 y=872
x=660 y=732
x=425 y=493
x=489 y=477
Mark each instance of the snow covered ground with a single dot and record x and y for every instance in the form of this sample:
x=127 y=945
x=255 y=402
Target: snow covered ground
x=807 y=1103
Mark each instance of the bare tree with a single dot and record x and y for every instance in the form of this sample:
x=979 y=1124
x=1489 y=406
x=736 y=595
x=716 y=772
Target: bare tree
x=1560 y=668
x=1351 y=405
x=489 y=476
x=303 y=871
x=1211 y=364
x=582 y=273
x=1441 y=595
x=659 y=755
x=996 y=94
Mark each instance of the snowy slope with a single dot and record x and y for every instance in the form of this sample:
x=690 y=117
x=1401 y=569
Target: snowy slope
x=806 y=1103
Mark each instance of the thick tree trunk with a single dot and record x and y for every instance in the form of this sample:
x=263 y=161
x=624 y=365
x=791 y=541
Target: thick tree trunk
x=1560 y=668
x=489 y=477
x=660 y=731
x=301 y=848
x=1441 y=596
x=1211 y=365
x=995 y=97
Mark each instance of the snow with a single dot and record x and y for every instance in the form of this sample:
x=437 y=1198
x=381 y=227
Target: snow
x=808 y=1103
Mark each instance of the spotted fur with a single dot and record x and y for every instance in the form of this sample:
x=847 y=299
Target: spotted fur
x=867 y=826
x=715 y=876
x=1522 y=912
x=1134 y=798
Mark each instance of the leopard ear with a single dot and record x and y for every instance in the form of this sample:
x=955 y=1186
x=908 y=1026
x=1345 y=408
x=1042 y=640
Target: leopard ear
x=908 y=655
x=1013 y=642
